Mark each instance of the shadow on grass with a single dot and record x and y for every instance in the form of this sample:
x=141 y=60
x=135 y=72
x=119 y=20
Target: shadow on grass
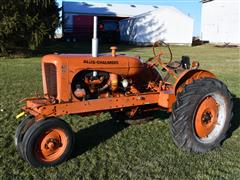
x=63 y=47
x=88 y=138
x=78 y=47
x=235 y=122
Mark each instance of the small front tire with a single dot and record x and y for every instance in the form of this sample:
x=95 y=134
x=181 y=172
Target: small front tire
x=20 y=132
x=48 y=142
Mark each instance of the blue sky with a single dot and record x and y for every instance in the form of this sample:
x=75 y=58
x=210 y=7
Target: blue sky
x=189 y=7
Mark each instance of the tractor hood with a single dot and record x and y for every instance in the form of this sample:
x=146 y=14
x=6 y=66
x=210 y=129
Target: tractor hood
x=58 y=71
x=120 y=64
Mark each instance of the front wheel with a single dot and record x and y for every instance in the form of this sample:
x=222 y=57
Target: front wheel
x=201 y=115
x=48 y=142
x=20 y=132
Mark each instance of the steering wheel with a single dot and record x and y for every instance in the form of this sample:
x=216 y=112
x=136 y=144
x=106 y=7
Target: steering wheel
x=157 y=52
x=157 y=60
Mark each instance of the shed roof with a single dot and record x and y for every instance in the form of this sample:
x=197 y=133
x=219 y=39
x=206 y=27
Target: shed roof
x=107 y=9
x=205 y=1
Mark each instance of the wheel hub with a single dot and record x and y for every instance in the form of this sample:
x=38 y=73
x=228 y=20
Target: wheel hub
x=206 y=117
x=51 y=145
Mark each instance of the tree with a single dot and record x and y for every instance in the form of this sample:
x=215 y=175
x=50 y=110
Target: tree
x=25 y=24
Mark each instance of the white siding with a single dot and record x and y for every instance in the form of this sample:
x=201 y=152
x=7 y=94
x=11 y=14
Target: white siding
x=221 y=21
x=167 y=24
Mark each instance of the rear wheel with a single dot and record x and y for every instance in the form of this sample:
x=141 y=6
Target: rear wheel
x=48 y=142
x=201 y=115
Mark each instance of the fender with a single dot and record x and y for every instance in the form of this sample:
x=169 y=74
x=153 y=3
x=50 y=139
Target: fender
x=188 y=76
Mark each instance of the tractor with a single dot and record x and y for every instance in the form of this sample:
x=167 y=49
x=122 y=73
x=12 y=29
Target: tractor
x=126 y=87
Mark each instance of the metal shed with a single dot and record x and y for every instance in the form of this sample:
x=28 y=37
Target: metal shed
x=78 y=16
x=165 y=23
x=221 y=21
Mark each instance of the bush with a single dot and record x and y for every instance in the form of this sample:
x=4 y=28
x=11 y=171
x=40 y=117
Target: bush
x=25 y=24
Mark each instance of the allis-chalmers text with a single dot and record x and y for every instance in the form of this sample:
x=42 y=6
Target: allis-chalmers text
x=99 y=62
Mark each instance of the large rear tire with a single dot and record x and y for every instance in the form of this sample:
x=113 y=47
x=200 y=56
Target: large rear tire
x=201 y=115
x=48 y=142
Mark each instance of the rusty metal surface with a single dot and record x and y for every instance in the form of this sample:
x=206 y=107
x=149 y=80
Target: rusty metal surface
x=43 y=108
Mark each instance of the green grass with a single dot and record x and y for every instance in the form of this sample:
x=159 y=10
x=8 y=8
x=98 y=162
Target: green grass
x=108 y=150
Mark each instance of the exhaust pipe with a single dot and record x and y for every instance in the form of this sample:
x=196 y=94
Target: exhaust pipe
x=94 y=39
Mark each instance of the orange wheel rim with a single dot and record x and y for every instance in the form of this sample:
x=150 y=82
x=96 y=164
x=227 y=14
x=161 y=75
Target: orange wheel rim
x=51 y=145
x=206 y=117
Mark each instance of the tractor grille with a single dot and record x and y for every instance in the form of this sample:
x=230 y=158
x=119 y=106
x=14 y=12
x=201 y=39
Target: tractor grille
x=51 y=79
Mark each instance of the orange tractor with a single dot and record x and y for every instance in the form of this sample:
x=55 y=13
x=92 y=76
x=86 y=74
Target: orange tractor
x=125 y=86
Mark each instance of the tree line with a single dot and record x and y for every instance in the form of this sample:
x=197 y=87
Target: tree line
x=26 y=24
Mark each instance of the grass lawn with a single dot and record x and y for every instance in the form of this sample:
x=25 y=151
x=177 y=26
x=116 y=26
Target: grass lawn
x=108 y=150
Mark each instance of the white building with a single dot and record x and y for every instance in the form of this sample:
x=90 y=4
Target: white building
x=164 y=23
x=141 y=24
x=221 y=21
x=77 y=14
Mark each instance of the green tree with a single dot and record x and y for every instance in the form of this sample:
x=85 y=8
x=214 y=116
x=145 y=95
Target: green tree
x=25 y=24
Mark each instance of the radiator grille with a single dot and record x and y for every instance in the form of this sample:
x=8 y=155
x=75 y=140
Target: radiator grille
x=51 y=79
